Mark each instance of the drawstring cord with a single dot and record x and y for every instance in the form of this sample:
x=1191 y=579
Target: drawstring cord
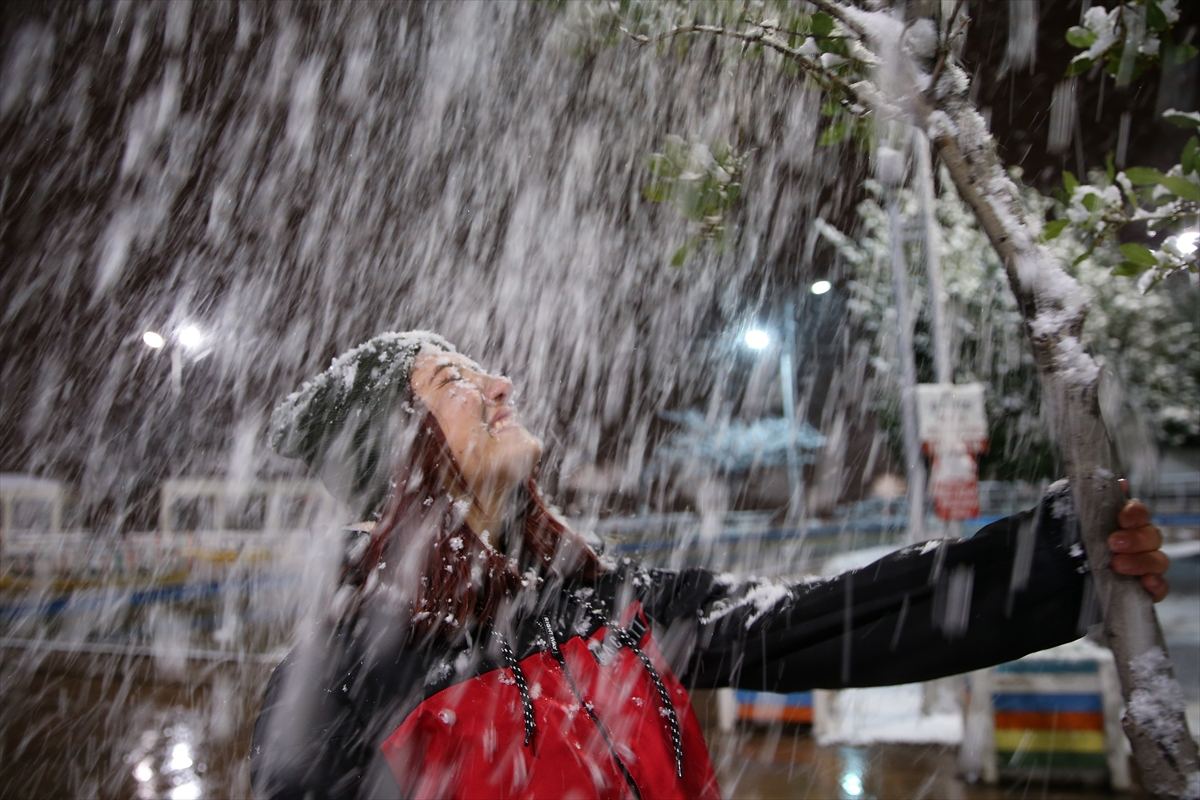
x=522 y=689
x=627 y=639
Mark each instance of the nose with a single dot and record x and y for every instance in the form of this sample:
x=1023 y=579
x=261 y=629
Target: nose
x=498 y=389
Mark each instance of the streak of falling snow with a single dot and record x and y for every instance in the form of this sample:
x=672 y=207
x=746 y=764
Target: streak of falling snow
x=205 y=202
x=1021 y=49
x=208 y=202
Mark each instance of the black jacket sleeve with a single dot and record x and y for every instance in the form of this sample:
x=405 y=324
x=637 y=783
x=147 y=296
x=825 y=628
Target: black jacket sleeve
x=315 y=737
x=305 y=736
x=923 y=612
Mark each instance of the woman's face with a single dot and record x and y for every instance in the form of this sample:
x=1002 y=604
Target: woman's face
x=493 y=450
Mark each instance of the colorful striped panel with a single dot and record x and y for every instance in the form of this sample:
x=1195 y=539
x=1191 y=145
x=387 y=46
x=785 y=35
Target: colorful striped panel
x=1050 y=720
x=776 y=714
x=1048 y=702
x=1011 y=740
x=773 y=707
x=1090 y=762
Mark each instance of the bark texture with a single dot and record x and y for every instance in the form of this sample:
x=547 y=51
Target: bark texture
x=1164 y=750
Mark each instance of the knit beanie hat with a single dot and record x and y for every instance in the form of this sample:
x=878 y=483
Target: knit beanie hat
x=345 y=423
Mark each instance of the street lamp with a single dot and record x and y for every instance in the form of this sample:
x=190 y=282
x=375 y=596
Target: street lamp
x=757 y=339
x=191 y=337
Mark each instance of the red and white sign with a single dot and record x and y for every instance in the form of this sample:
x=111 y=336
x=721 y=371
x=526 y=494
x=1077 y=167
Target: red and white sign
x=955 y=484
x=953 y=428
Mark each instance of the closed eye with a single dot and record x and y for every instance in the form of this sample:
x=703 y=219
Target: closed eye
x=449 y=371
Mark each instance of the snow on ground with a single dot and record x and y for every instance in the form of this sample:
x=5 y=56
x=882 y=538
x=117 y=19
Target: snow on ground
x=1179 y=616
x=892 y=714
x=889 y=714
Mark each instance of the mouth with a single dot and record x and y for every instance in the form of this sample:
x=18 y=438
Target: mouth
x=503 y=420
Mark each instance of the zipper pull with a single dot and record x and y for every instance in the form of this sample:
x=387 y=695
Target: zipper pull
x=558 y=656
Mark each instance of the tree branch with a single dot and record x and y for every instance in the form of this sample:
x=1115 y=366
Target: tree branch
x=944 y=47
x=1164 y=751
x=828 y=80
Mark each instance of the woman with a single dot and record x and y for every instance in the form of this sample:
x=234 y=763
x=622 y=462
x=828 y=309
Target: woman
x=479 y=648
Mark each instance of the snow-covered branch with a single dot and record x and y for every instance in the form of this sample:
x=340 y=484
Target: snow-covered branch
x=893 y=64
x=1126 y=40
x=1170 y=202
x=761 y=33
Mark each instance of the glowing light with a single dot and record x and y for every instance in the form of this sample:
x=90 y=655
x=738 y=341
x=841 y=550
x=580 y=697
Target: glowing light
x=1187 y=241
x=144 y=771
x=821 y=287
x=852 y=785
x=757 y=340
x=186 y=791
x=153 y=339
x=191 y=337
x=181 y=757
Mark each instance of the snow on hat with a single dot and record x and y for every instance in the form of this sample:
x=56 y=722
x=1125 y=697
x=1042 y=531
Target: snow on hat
x=342 y=422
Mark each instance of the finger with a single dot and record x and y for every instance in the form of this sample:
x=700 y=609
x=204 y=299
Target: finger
x=1136 y=540
x=1155 y=563
x=1156 y=586
x=1134 y=514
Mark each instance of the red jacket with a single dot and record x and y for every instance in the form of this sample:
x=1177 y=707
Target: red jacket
x=602 y=723
x=577 y=695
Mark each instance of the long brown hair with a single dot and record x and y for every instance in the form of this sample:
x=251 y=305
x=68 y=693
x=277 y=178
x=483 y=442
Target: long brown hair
x=450 y=576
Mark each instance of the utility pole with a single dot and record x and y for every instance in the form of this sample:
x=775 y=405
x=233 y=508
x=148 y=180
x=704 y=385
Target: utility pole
x=787 y=380
x=890 y=171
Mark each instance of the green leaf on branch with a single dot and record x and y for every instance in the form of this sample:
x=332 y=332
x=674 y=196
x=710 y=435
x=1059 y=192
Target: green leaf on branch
x=834 y=134
x=681 y=255
x=1069 y=181
x=1110 y=169
x=1079 y=65
x=1053 y=229
x=822 y=24
x=1180 y=54
x=1182 y=187
x=1091 y=202
x=701 y=182
x=1128 y=269
x=800 y=23
x=1143 y=176
x=1081 y=37
x=1138 y=254
x=1188 y=159
x=656 y=192
x=1184 y=119
x=1155 y=18
x=662 y=166
x=837 y=47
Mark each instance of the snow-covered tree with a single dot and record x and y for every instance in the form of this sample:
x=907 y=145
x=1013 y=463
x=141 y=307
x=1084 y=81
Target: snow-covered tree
x=1150 y=341
x=892 y=71
x=1126 y=40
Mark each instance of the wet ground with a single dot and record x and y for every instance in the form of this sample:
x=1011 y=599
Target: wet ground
x=107 y=726
x=112 y=726
x=792 y=765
